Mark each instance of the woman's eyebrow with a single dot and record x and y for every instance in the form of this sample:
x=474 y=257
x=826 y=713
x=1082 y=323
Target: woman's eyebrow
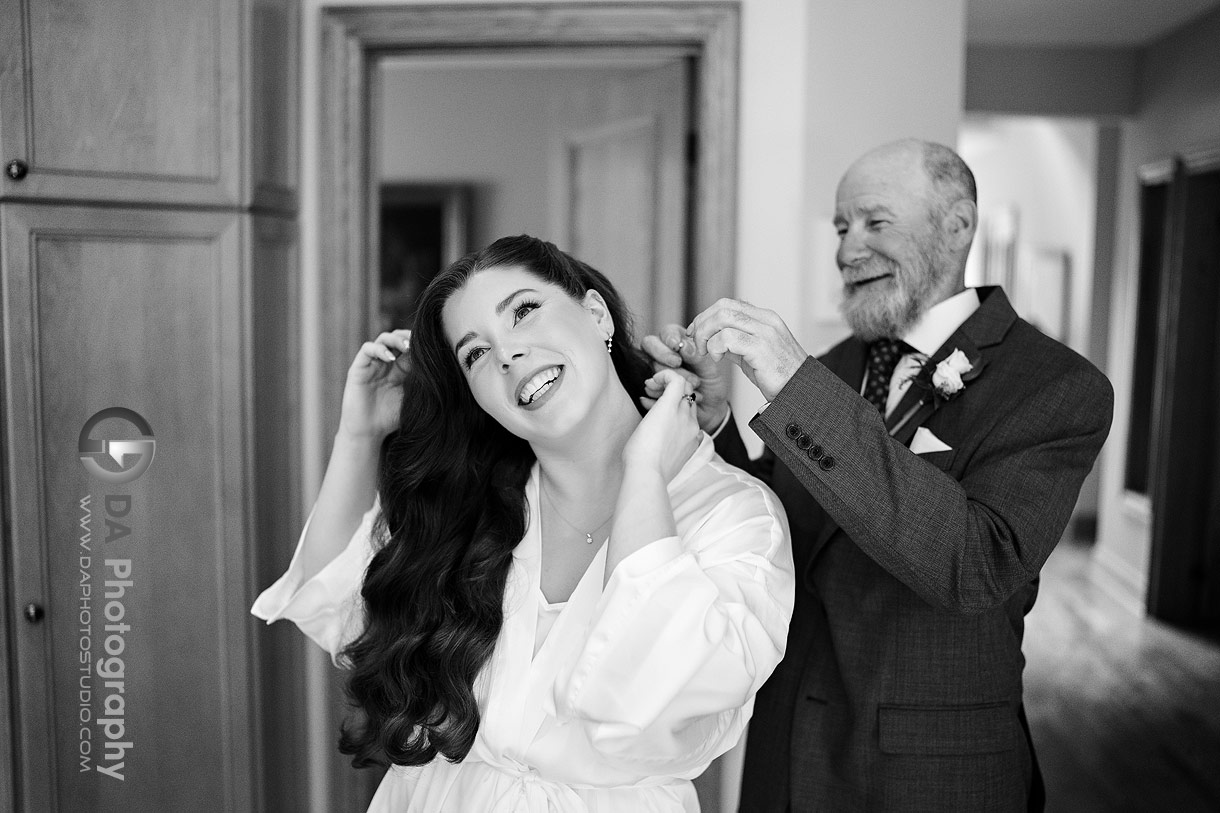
x=504 y=302
x=457 y=348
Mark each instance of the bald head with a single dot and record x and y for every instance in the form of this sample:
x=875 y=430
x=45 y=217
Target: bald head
x=945 y=179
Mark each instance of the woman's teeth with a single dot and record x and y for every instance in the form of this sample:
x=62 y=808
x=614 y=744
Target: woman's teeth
x=537 y=385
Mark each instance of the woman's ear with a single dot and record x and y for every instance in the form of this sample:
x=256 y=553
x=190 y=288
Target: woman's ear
x=596 y=306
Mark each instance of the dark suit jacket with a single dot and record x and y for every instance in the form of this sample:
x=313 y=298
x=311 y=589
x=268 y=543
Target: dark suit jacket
x=901 y=686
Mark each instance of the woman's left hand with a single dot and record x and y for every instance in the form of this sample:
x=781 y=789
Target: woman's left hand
x=668 y=435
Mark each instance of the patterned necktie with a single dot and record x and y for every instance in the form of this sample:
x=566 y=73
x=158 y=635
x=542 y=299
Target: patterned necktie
x=883 y=356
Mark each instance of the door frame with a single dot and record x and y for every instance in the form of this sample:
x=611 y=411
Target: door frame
x=353 y=38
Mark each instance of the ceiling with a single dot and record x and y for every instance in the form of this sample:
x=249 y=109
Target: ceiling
x=1097 y=23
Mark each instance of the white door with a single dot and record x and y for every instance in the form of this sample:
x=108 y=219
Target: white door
x=621 y=167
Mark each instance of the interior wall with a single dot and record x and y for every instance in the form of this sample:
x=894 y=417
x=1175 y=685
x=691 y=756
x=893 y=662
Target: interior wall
x=1178 y=112
x=485 y=127
x=1044 y=170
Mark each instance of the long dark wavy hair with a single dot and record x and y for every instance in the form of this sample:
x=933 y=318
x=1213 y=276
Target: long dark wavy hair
x=452 y=489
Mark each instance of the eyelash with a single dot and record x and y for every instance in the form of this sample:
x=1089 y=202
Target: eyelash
x=470 y=358
x=525 y=303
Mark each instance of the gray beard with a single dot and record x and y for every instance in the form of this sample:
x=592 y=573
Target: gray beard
x=889 y=315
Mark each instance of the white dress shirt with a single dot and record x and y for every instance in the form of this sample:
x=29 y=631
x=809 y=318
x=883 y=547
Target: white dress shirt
x=929 y=332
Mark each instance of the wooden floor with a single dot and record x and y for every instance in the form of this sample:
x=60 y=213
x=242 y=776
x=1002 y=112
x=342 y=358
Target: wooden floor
x=1125 y=711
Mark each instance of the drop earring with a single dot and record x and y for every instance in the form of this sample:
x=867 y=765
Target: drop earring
x=609 y=343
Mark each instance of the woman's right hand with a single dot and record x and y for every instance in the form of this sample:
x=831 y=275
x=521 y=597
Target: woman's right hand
x=372 y=396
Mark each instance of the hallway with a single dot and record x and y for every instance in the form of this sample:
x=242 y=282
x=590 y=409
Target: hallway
x=1125 y=711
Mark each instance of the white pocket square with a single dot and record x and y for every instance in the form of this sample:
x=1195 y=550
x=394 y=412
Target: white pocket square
x=924 y=442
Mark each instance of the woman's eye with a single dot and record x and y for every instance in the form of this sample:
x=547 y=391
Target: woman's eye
x=522 y=310
x=876 y=224
x=473 y=356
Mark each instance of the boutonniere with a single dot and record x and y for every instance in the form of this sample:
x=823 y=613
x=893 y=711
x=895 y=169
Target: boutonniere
x=947 y=379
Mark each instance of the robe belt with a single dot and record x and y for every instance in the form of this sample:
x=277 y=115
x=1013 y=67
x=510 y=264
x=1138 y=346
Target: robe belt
x=530 y=792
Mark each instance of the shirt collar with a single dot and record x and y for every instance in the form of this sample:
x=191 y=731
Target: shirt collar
x=939 y=322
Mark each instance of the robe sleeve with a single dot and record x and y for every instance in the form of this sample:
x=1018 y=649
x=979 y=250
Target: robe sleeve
x=685 y=634
x=327 y=607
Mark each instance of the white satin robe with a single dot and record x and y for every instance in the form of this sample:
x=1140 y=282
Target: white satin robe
x=636 y=688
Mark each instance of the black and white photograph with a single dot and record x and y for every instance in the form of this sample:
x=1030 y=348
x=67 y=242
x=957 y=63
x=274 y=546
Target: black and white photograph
x=609 y=406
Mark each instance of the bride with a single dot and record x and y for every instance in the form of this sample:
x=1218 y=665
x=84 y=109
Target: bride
x=557 y=601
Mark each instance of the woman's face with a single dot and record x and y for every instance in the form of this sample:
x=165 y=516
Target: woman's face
x=534 y=357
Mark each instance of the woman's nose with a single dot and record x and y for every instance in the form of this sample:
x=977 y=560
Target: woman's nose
x=508 y=353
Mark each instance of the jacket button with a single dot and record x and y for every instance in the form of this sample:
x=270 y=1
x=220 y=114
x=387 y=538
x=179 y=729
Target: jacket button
x=793 y=431
x=804 y=442
x=827 y=463
x=815 y=452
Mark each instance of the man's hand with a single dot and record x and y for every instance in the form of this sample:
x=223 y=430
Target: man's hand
x=755 y=339
x=673 y=349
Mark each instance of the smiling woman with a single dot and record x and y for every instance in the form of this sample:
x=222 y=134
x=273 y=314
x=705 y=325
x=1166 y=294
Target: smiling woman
x=478 y=619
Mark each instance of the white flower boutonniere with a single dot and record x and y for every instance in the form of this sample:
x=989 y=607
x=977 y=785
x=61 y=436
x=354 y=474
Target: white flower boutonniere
x=947 y=377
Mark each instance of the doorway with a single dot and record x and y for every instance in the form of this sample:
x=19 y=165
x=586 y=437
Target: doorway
x=353 y=40
x=588 y=148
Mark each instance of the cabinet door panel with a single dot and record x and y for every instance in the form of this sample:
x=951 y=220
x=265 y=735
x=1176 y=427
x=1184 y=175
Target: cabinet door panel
x=127 y=100
x=141 y=310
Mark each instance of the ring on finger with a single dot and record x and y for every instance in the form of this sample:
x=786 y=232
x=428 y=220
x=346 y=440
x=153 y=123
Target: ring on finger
x=690 y=398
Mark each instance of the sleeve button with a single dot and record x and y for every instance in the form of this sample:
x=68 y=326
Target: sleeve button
x=793 y=431
x=815 y=452
x=827 y=463
x=804 y=442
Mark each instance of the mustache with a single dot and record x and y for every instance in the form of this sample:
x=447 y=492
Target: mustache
x=866 y=270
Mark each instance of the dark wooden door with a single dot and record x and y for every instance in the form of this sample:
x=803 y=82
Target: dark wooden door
x=1184 y=573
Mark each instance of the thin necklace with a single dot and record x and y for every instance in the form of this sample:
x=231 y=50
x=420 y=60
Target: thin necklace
x=570 y=523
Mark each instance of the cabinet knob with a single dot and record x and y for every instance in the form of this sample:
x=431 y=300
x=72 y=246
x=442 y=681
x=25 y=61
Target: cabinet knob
x=16 y=169
x=33 y=612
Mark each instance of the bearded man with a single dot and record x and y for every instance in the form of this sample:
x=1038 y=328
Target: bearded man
x=928 y=465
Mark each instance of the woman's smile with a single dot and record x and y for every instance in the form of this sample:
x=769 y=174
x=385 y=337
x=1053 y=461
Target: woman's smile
x=535 y=390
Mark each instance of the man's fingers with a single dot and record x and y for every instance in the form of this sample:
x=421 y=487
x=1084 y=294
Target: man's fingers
x=660 y=351
x=673 y=336
x=730 y=340
x=727 y=313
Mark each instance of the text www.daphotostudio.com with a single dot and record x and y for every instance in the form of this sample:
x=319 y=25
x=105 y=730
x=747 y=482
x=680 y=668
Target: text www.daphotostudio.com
x=102 y=696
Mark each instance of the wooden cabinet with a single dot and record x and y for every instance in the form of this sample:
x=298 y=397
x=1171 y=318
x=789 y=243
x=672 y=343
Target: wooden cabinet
x=149 y=101
x=149 y=263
